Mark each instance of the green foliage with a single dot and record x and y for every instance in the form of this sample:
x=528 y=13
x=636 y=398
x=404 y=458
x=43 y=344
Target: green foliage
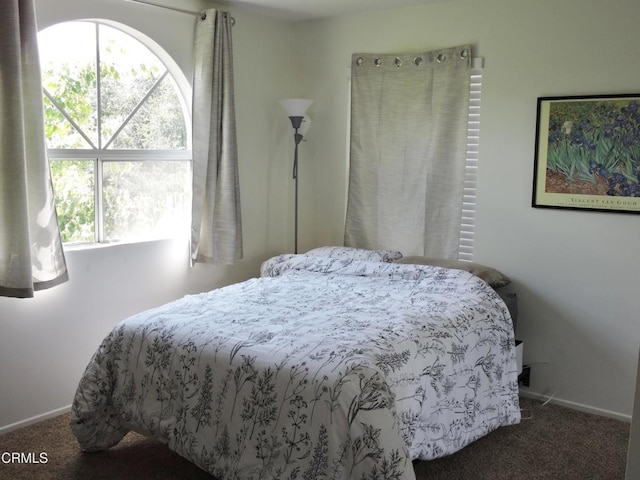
x=74 y=89
x=75 y=203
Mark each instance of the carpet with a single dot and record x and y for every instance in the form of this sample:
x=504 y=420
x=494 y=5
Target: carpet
x=550 y=443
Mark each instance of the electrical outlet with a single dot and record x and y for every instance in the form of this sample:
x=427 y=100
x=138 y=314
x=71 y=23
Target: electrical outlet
x=525 y=376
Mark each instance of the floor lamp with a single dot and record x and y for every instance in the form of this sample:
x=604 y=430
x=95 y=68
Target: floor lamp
x=296 y=109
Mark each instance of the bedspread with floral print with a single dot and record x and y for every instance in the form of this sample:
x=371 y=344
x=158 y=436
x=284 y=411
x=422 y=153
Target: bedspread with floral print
x=322 y=368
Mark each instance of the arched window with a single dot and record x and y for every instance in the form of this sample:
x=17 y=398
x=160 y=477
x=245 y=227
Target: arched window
x=117 y=127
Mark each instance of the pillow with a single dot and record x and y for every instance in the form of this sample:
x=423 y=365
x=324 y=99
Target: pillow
x=490 y=275
x=352 y=253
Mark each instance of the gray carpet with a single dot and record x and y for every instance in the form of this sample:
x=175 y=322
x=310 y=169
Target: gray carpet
x=550 y=443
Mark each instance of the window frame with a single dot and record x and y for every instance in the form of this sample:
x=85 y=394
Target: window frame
x=100 y=155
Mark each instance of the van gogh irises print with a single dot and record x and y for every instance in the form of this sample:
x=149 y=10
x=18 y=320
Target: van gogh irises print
x=588 y=153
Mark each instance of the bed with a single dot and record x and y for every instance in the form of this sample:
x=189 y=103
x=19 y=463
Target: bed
x=333 y=364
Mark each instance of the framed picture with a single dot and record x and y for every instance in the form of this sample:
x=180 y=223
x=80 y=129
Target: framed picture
x=587 y=153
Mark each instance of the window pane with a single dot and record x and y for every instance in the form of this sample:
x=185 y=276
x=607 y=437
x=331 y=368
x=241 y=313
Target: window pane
x=73 y=184
x=158 y=124
x=68 y=62
x=144 y=199
x=59 y=132
x=128 y=72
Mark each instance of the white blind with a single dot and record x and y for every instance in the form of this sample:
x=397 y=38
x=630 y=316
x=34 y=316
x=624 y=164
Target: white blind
x=467 y=224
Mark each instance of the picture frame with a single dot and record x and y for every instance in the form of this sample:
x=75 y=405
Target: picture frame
x=587 y=153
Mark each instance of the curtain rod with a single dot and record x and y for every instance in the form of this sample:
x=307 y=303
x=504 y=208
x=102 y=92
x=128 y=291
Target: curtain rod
x=175 y=9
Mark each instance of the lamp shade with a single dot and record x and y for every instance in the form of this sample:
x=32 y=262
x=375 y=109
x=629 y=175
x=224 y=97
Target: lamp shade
x=296 y=107
x=305 y=126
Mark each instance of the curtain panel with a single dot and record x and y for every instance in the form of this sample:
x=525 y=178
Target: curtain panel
x=409 y=117
x=31 y=254
x=216 y=228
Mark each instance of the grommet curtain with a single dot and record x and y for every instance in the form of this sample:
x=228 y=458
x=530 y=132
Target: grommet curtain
x=409 y=116
x=216 y=228
x=31 y=254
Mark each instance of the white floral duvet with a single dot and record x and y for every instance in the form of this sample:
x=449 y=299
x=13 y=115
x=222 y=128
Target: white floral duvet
x=323 y=368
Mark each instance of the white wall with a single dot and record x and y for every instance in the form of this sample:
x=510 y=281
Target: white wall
x=46 y=341
x=576 y=273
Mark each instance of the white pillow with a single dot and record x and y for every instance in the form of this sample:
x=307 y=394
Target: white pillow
x=353 y=253
x=492 y=276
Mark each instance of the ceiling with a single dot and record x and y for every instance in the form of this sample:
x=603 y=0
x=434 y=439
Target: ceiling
x=296 y=10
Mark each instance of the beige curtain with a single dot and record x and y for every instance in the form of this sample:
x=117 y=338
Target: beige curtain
x=409 y=118
x=216 y=228
x=31 y=255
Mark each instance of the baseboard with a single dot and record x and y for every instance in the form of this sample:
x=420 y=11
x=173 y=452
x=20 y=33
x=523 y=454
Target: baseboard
x=34 y=420
x=577 y=406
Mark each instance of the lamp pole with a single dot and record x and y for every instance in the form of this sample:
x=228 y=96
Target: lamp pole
x=296 y=109
x=296 y=121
